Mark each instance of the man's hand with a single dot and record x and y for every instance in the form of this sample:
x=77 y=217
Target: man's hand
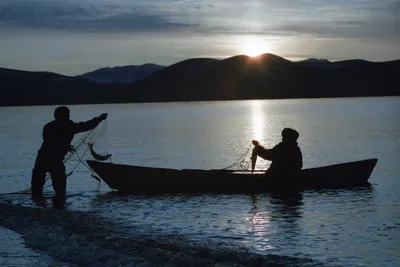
x=103 y=116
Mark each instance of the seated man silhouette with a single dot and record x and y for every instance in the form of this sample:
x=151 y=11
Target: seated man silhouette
x=286 y=157
x=57 y=137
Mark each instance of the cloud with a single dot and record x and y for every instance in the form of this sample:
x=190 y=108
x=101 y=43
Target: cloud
x=84 y=17
x=339 y=19
x=319 y=18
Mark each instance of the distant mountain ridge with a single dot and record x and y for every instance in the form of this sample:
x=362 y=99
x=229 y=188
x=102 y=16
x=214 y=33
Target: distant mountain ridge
x=315 y=60
x=123 y=74
x=198 y=79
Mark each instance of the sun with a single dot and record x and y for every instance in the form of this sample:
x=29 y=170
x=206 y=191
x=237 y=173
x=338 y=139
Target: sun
x=254 y=46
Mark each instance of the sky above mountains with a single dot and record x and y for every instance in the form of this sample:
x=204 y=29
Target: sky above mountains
x=76 y=36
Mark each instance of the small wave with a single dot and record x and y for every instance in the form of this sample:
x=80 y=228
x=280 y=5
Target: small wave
x=84 y=239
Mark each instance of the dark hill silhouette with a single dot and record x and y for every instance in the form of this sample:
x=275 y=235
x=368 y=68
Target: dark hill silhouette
x=270 y=76
x=35 y=76
x=211 y=80
x=240 y=77
x=46 y=88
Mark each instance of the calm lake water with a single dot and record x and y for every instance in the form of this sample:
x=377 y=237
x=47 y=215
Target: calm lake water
x=359 y=227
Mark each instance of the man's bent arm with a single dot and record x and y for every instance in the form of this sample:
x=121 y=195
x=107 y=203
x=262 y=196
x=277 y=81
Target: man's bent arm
x=267 y=154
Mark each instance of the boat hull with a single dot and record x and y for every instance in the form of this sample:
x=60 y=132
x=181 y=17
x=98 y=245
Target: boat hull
x=148 y=180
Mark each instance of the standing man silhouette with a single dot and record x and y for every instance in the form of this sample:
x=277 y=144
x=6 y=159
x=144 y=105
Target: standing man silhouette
x=57 y=137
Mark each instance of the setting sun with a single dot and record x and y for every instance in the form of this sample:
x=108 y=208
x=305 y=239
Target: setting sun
x=254 y=46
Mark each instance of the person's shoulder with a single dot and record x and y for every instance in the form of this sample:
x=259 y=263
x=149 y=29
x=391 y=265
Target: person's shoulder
x=281 y=144
x=62 y=124
x=69 y=124
x=278 y=147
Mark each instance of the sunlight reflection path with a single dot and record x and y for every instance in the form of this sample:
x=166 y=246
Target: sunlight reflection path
x=258 y=120
x=260 y=127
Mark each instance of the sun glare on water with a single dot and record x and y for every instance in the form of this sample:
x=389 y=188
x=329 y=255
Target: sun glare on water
x=253 y=46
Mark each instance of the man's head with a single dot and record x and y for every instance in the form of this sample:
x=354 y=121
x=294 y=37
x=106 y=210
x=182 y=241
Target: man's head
x=289 y=135
x=61 y=113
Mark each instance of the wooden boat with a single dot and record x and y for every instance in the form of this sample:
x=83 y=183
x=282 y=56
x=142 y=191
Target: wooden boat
x=148 y=180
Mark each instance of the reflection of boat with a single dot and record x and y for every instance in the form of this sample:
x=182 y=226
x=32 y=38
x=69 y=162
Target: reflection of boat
x=143 y=180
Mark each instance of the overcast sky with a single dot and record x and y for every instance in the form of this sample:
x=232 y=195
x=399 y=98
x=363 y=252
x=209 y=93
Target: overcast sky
x=76 y=36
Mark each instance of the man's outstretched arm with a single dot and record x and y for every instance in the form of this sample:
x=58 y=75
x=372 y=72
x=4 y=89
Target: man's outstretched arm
x=90 y=124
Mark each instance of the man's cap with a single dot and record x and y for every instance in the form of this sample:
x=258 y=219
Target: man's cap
x=290 y=134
